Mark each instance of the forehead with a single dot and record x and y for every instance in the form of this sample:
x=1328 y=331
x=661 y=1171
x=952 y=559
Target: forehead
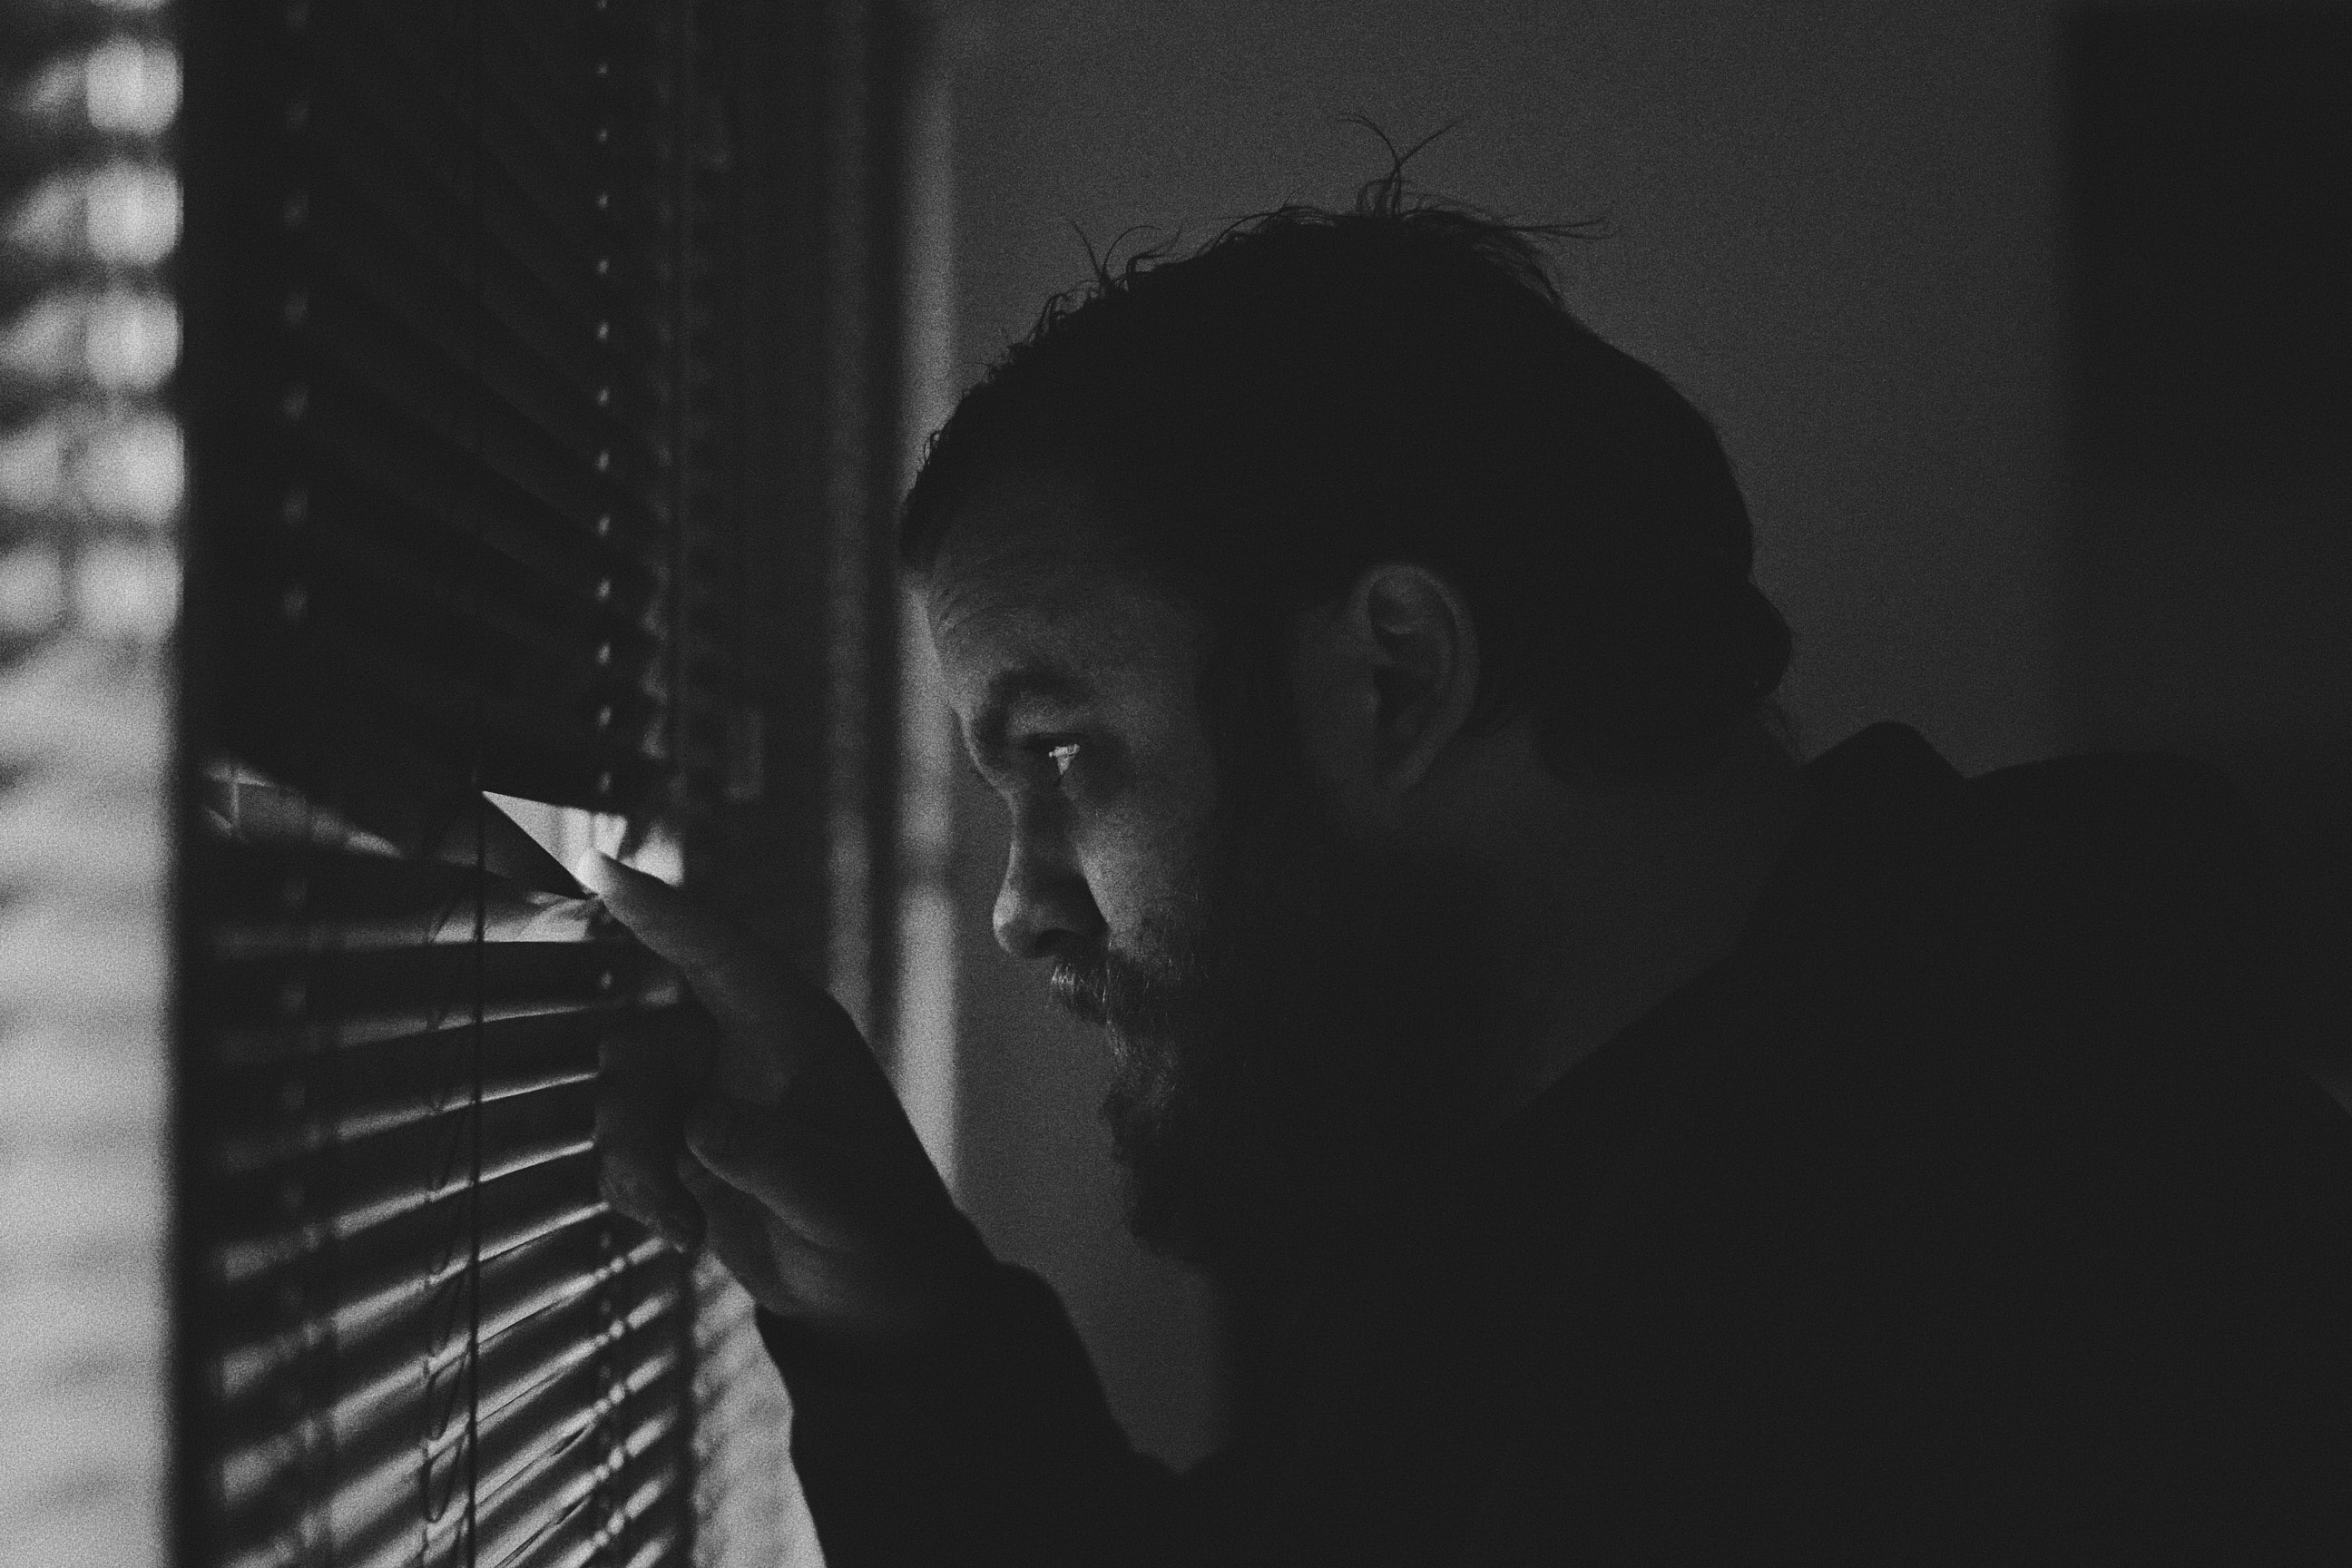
x=1021 y=586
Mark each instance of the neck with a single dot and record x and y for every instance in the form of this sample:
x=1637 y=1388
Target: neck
x=1607 y=901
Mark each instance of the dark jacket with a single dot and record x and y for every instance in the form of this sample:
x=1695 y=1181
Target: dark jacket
x=1969 y=1212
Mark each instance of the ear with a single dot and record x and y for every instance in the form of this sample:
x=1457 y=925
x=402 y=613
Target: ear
x=1384 y=679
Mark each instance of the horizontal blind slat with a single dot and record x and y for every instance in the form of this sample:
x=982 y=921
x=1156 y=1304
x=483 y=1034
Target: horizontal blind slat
x=340 y=1191
x=471 y=149
x=277 y=1109
x=564 y=1265
x=438 y=376
x=378 y=450
x=284 y=904
x=527 y=1472
x=527 y=554
x=522 y=1382
x=527 y=1503
x=247 y=814
x=447 y=548
x=405 y=1256
x=346 y=405
x=425 y=654
x=270 y=1008
x=582 y=1534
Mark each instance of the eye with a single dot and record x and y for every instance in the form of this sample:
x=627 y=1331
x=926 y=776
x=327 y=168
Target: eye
x=1062 y=754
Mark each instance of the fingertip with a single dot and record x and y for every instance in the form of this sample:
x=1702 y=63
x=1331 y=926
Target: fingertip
x=711 y=1131
x=596 y=871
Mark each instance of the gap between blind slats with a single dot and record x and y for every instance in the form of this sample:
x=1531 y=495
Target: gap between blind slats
x=383 y=1547
x=577 y=1538
x=522 y=179
x=498 y=913
x=244 y=1047
x=298 y=1003
x=364 y=231
x=524 y=1485
x=538 y=125
x=565 y=1524
x=362 y=1087
x=295 y=1141
x=411 y=1253
x=518 y=636
x=470 y=484
x=343 y=1190
x=529 y=1386
x=342 y=1100
x=451 y=424
x=662 y=1546
x=411 y=1256
x=445 y=143
x=420 y=651
x=393 y=1209
x=368 y=215
x=432 y=360
x=284 y=1108
x=564 y=1264
x=540 y=1498
x=376 y=742
x=248 y=880
x=601 y=596
x=526 y=553
x=398 y=1418
x=412 y=470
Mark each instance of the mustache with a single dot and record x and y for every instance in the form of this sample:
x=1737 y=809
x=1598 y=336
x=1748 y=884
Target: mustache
x=1081 y=985
x=1130 y=993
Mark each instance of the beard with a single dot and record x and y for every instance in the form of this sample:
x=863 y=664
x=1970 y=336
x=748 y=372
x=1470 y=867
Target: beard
x=1293 y=1037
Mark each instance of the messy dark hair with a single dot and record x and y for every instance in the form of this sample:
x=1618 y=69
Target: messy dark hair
x=1311 y=393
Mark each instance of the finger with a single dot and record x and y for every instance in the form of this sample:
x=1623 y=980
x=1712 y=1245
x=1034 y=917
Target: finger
x=638 y=1133
x=834 y=1192
x=737 y=1234
x=642 y=1188
x=767 y=1016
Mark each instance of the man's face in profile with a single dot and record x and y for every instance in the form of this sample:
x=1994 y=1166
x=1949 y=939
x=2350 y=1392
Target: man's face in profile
x=1280 y=1002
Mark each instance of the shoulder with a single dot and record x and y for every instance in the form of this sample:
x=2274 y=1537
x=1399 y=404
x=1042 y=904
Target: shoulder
x=2146 y=821
x=2138 y=885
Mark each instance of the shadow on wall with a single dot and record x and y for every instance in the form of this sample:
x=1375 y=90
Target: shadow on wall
x=2210 y=552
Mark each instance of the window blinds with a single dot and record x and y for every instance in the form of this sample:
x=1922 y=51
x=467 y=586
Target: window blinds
x=89 y=495
x=442 y=267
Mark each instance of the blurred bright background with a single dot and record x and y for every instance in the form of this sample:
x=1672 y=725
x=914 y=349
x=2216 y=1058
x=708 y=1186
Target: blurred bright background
x=91 y=486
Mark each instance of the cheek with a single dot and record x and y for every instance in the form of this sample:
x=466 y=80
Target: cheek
x=1145 y=866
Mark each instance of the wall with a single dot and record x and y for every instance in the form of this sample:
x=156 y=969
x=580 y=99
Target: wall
x=1836 y=226
x=2209 y=548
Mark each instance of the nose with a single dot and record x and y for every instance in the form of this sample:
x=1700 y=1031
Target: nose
x=1043 y=903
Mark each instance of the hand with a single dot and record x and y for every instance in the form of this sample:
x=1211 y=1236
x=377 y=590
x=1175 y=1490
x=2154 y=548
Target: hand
x=775 y=1138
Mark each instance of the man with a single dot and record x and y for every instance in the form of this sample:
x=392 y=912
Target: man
x=1625 y=1144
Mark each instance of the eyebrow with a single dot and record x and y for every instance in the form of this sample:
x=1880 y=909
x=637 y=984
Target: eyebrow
x=1021 y=684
